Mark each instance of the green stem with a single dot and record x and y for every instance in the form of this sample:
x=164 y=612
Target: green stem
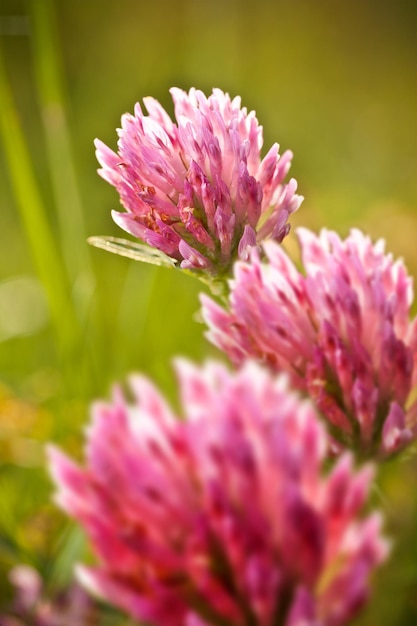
x=52 y=100
x=37 y=230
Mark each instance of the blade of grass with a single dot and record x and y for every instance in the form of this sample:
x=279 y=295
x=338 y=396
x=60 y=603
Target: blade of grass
x=68 y=549
x=39 y=236
x=131 y=321
x=53 y=104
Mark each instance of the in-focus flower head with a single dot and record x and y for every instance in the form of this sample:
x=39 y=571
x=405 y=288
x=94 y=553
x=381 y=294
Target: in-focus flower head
x=197 y=189
x=224 y=517
x=342 y=331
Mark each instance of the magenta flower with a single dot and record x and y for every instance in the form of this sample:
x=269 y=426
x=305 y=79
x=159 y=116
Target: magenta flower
x=224 y=517
x=197 y=189
x=32 y=606
x=341 y=330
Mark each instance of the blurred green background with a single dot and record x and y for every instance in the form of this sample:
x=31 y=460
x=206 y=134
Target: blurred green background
x=334 y=81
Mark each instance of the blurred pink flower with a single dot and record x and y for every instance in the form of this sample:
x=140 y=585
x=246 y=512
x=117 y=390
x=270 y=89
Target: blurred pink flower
x=197 y=189
x=32 y=606
x=223 y=517
x=341 y=329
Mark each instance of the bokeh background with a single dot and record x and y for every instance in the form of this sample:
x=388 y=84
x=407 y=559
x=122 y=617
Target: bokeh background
x=334 y=81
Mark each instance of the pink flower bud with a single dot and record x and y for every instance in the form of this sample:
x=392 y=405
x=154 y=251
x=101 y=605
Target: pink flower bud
x=341 y=329
x=199 y=182
x=225 y=516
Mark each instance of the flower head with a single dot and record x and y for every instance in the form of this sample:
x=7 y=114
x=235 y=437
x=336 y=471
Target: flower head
x=224 y=517
x=30 y=604
x=341 y=330
x=197 y=189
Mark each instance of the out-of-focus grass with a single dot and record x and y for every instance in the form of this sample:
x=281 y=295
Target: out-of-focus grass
x=335 y=82
x=38 y=233
x=52 y=101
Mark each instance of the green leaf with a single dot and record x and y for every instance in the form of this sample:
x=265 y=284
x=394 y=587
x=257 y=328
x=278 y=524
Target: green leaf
x=133 y=250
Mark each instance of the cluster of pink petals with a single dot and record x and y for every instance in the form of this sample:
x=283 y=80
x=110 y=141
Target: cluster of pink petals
x=224 y=517
x=32 y=606
x=197 y=189
x=341 y=329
